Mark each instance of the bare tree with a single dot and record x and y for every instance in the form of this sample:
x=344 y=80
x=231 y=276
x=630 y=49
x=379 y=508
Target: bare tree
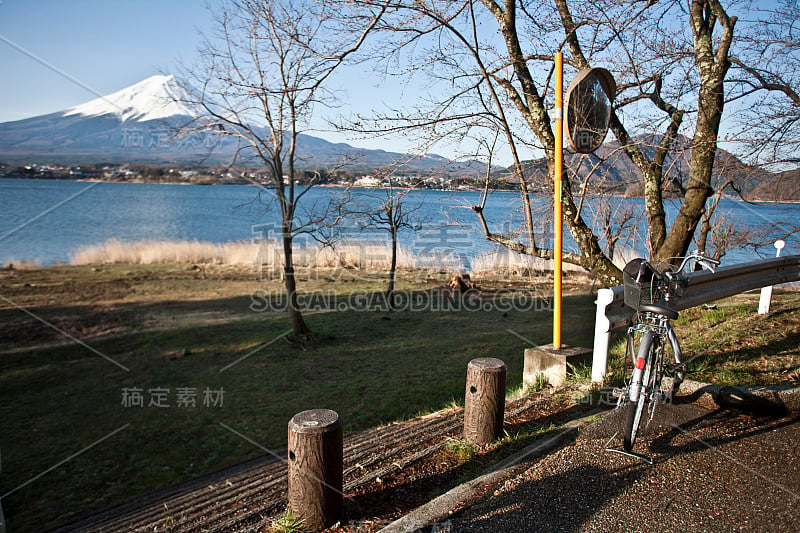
x=385 y=209
x=264 y=72
x=765 y=81
x=491 y=67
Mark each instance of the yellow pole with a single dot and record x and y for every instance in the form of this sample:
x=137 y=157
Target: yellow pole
x=557 y=223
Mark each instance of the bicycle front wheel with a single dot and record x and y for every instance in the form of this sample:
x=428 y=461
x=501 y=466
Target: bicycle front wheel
x=633 y=416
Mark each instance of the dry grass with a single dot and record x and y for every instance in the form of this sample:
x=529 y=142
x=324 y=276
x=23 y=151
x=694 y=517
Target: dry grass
x=24 y=264
x=623 y=254
x=152 y=251
x=175 y=326
x=364 y=255
x=263 y=255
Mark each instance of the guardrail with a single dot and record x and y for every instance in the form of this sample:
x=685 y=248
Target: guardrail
x=703 y=287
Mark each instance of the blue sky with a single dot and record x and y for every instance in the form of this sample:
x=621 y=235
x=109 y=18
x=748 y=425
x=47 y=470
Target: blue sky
x=105 y=46
x=96 y=47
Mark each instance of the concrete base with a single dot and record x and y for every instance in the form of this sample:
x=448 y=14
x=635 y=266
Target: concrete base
x=551 y=363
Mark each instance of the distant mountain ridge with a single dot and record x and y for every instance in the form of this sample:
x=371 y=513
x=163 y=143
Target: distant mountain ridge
x=613 y=169
x=137 y=124
x=782 y=187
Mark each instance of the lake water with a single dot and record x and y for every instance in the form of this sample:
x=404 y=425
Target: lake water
x=47 y=220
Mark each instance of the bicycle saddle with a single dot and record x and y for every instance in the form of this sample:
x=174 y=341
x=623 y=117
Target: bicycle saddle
x=668 y=312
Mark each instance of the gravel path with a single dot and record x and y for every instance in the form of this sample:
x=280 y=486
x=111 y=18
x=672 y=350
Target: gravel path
x=713 y=471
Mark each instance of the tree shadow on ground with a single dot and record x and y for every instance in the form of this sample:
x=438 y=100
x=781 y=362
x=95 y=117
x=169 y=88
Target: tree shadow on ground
x=667 y=443
x=566 y=501
x=562 y=502
x=661 y=436
x=402 y=497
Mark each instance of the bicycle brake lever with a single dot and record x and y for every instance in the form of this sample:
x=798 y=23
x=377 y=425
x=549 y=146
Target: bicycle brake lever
x=642 y=272
x=709 y=264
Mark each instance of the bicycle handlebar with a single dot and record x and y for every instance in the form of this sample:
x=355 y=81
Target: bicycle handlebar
x=671 y=280
x=707 y=262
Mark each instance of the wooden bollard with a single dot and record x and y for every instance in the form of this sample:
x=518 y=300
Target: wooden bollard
x=315 y=468
x=485 y=400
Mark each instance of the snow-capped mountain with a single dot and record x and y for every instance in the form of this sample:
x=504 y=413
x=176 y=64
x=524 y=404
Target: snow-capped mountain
x=155 y=98
x=137 y=125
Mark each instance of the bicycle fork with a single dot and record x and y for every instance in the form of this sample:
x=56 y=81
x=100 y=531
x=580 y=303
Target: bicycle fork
x=678 y=370
x=639 y=363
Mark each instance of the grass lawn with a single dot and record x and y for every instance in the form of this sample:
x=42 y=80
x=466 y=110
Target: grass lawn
x=80 y=346
x=730 y=344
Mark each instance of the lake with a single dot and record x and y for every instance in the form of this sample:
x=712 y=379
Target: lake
x=45 y=221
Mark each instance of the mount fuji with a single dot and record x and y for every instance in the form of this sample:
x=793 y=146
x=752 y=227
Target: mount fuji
x=136 y=125
x=155 y=98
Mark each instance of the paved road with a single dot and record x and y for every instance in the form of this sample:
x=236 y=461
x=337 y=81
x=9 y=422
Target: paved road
x=713 y=471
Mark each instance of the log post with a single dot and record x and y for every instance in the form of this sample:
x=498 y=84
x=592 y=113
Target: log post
x=485 y=399
x=315 y=468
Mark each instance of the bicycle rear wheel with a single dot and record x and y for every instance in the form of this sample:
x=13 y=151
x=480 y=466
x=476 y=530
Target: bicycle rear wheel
x=633 y=416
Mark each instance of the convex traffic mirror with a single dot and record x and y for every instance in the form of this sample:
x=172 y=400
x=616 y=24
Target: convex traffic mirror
x=588 y=109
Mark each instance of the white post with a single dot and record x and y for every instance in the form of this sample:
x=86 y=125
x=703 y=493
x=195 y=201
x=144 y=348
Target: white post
x=602 y=336
x=766 y=293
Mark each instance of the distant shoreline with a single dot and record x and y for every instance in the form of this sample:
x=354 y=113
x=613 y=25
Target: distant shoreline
x=331 y=185
x=232 y=182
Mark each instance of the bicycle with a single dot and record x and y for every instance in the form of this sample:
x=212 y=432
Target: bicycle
x=651 y=292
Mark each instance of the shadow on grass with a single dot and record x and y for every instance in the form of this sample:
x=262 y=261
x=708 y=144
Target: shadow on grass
x=370 y=366
x=85 y=321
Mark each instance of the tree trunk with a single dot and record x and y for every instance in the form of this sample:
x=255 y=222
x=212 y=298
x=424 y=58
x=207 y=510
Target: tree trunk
x=712 y=66
x=531 y=106
x=299 y=326
x=592 y=257
x=702 y=239
x=392 y=269
x=704 y=148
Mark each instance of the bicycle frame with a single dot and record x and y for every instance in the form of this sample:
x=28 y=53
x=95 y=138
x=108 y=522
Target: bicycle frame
x=649 y=369
x=660 y=331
